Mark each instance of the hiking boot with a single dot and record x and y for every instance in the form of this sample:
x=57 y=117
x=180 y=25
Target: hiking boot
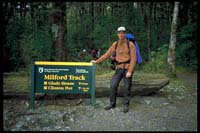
x=109 y=107
x=125 y=109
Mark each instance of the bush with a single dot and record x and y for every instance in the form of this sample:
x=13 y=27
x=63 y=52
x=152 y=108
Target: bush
x=158 y=62
x=186 y=53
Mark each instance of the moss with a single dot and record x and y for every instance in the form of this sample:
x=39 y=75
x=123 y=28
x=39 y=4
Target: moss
x=138 y=75
x=55 y=107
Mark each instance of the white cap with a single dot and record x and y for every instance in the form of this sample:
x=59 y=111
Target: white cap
x=84 y=50
x=121 y=29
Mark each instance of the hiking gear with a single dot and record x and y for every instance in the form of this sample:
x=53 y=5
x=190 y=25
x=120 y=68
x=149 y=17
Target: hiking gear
x=114 y=62
x=131 y=37
x=121 y=29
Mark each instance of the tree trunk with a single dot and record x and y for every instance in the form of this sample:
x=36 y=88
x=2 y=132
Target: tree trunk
x=92 y=14
x=59 y=30
x=6 y=13
x=172 y=46
x=147 y=19
x=148 y=41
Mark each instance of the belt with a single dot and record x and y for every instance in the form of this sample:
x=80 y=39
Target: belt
x=125 y=62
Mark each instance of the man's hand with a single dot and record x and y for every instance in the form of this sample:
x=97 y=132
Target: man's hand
x=128 y=75
x=93 y=61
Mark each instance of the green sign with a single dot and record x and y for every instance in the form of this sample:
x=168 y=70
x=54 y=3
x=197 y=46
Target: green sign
x=63 y=77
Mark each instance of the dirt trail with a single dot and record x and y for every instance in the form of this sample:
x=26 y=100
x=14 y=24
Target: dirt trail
x=174 y=108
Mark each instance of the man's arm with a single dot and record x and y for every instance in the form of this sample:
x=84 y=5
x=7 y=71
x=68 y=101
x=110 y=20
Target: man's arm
x=106 y=55
x=132 y=59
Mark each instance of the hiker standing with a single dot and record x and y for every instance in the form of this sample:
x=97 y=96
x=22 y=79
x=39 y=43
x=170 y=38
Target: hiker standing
x=83 y=54
x=93 y=53
x=98 y=52
x=126 y=61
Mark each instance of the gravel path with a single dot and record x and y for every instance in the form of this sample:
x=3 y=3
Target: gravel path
x=147 y=113
x=165 y=111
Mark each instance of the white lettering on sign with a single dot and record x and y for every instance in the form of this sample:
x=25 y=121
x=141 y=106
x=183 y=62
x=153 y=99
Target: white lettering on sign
x=81 y=70
x=54 y=70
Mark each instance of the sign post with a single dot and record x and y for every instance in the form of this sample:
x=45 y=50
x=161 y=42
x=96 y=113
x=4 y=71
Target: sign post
x=62 y=77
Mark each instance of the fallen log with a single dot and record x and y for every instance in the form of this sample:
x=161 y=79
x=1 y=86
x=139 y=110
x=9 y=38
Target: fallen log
x=142 y=84
x=143 y=87
x=102 y=90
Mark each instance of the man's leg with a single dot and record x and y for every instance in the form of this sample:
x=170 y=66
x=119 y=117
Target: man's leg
x=127 y=92
x=116 y=78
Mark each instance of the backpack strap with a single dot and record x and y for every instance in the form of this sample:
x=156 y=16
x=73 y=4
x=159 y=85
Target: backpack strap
x=128 y=46
x=116 y=46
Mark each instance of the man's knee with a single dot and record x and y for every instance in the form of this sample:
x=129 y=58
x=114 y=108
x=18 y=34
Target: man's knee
x=115 y=83
x=114 y=86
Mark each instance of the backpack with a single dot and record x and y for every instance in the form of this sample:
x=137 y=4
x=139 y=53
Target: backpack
x=131 y=37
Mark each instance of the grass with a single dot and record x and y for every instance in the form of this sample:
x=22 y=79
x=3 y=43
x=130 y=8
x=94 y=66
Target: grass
x=184 y=70
x=105 y=73
x=16 y=82
x=19 y=82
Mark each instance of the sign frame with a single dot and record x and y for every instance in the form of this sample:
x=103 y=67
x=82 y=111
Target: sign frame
x=33 y=91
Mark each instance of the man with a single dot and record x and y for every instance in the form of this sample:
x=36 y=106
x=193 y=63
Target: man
x=93 y=53
x=126 y=61
x=82 y=55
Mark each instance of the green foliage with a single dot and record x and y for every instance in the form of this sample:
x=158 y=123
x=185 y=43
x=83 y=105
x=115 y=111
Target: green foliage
x=158 y=62
x=14 y=31
x=106 y=64
x=186 y=48
x=42 y=45
x=36 y=46
x=104 y=37
x=104 y=67
x=29 y=38
x=27 y=43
